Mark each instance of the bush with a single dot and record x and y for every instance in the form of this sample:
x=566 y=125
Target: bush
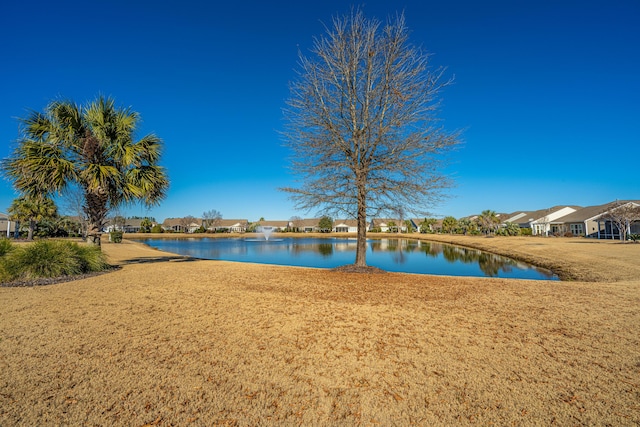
x=157 y=229
x=5 y=246
x=51 y=258
x=115 y=236
x=91 y=258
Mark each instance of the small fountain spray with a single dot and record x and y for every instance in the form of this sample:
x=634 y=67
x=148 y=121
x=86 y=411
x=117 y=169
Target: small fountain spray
x=266 y=231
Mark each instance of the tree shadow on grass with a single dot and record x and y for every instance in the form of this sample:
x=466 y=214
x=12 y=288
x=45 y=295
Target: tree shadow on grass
x=148 y=260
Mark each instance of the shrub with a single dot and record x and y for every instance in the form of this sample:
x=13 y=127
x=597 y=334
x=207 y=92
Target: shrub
x=157 y=229
x=115 y=236
x=91 y=258
x=44 y=258
x=5 y=246
x=51 y=258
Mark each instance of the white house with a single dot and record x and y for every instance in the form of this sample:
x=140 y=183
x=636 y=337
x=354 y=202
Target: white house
x=231 y=225
x=345 y=226
x=386 y=225
x=540 y=222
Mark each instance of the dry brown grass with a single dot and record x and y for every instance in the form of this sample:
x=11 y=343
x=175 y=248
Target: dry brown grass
x=170 y=341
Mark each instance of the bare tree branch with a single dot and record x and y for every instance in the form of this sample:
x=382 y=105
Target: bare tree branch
x=361 y=124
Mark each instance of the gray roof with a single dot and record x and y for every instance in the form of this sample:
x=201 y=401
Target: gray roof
x=590 y=212
x=526 y=217
x=232 y=222
x=583 y=214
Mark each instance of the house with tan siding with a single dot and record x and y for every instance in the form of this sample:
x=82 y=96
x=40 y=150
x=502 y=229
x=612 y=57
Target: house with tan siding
x=7 y=227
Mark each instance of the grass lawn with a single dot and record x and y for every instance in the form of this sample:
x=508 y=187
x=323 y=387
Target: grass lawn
x=167 y=340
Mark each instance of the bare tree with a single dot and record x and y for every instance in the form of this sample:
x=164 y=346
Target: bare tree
x=361 y=124
x=73 y=206
x=542 y=224
x=622 y=214
x=211 y=218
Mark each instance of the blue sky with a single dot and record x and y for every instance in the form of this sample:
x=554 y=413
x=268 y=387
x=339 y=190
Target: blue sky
x=547 y=91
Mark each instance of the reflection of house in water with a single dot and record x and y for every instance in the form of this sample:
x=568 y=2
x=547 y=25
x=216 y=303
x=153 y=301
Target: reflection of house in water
x=345 y=245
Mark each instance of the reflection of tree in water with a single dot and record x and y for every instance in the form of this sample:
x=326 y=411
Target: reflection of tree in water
x=325 y=249
x=450 y=253
x=398 y=255
x=411 y=245
x=491 y=264
x=430 y=249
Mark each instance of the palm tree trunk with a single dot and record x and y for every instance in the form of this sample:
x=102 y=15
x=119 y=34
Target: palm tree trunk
x=32 y=227
x=96 y=210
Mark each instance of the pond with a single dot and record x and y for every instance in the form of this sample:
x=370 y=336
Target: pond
x=398 y=255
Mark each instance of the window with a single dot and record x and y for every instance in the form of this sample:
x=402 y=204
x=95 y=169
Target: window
x=576 y=229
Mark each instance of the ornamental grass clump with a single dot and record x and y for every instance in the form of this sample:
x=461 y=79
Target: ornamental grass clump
x=91 y=258
x=5 y=246
x=49 y=259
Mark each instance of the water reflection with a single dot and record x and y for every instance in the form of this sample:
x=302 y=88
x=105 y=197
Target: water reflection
x=490 y=264
x=392 y=254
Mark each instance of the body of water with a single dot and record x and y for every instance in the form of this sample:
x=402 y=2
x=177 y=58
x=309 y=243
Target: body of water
x=399 y=255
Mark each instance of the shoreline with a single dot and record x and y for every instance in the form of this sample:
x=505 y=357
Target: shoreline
x=589 y=271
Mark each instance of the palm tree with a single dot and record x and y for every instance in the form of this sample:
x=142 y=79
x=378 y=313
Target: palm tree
x=449 y=224
x=93 y=146
x=145 y=225
x=488 y=220
x=32 y=209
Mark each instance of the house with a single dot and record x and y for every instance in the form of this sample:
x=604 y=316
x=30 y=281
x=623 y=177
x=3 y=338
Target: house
x=182 y=225
x=230 y=225
x=607 y=229
x=275 y=225
x=541 y=222
x=310 y=225
x=132 y=225
x=387 y=225
x=345 y=226
x=582 y=222
x=416 y=223
x=6 y=225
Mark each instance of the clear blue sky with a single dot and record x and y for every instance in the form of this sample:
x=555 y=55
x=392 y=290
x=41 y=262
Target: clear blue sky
x=548 y=92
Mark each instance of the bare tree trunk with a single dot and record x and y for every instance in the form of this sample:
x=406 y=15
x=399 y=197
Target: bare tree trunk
x=361 y=246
